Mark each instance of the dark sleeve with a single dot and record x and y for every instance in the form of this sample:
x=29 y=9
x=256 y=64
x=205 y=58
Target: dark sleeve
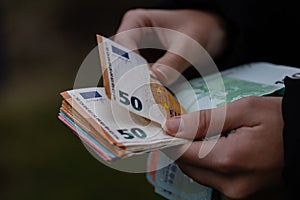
x=291 y=136
x=258 y=30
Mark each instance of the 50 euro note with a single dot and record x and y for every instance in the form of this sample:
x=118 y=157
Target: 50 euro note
x=129 y=82
x=125 y=117
x=109 y=129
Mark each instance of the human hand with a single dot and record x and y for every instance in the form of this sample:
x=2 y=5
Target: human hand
x=244 y=163
x=203 y=27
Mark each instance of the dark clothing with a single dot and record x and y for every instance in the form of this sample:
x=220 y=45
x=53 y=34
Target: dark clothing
x=291 y=135
x=257 y=30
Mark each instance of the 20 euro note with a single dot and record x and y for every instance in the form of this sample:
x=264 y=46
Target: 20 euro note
x=129 y=82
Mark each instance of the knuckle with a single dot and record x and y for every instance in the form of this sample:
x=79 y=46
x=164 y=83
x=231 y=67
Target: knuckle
x=229 y=162
x=175 y=58
x=237 y=190
x=204 y=123
x=133 y=13
x=249 y=102
x=226 y=165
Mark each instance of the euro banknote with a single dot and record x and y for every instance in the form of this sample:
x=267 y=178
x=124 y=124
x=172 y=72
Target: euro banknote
x=129 y=82
x=252 y=79
x=125 y=117
x=110 y=127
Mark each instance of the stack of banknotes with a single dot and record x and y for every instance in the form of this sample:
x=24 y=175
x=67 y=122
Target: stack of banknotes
x=126 y=116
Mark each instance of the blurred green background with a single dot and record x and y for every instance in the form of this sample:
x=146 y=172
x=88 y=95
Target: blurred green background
x=43 y=44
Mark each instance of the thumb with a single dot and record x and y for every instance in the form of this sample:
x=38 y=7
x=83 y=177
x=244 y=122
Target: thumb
x=169 y=67
x=205 y=123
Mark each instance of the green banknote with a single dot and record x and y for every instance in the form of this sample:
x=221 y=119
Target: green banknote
x=253 y=79
x=234 y=89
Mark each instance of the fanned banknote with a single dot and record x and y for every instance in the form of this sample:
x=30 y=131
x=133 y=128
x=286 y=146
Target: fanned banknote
x=129 y=82
x=108 y=127
x=125 y=117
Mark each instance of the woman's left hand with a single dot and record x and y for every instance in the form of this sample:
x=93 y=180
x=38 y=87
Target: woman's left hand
x=244 y=163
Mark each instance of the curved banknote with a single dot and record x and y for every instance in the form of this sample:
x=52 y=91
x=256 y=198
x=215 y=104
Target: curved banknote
x=129 y=82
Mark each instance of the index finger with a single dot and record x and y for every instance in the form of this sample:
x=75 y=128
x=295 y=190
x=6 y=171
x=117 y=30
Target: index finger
x=128 y=33
x=223 y=155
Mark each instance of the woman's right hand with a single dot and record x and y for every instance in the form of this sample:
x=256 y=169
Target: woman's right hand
x=204 y=27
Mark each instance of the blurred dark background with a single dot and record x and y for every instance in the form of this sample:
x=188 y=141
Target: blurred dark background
x=42 y=45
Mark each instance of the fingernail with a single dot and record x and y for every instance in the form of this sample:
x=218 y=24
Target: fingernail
x=174 y=125
x=160 y=73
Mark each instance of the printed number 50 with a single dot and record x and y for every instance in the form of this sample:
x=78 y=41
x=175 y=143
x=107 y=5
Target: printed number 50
x=134 y=101
x=134 y=132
